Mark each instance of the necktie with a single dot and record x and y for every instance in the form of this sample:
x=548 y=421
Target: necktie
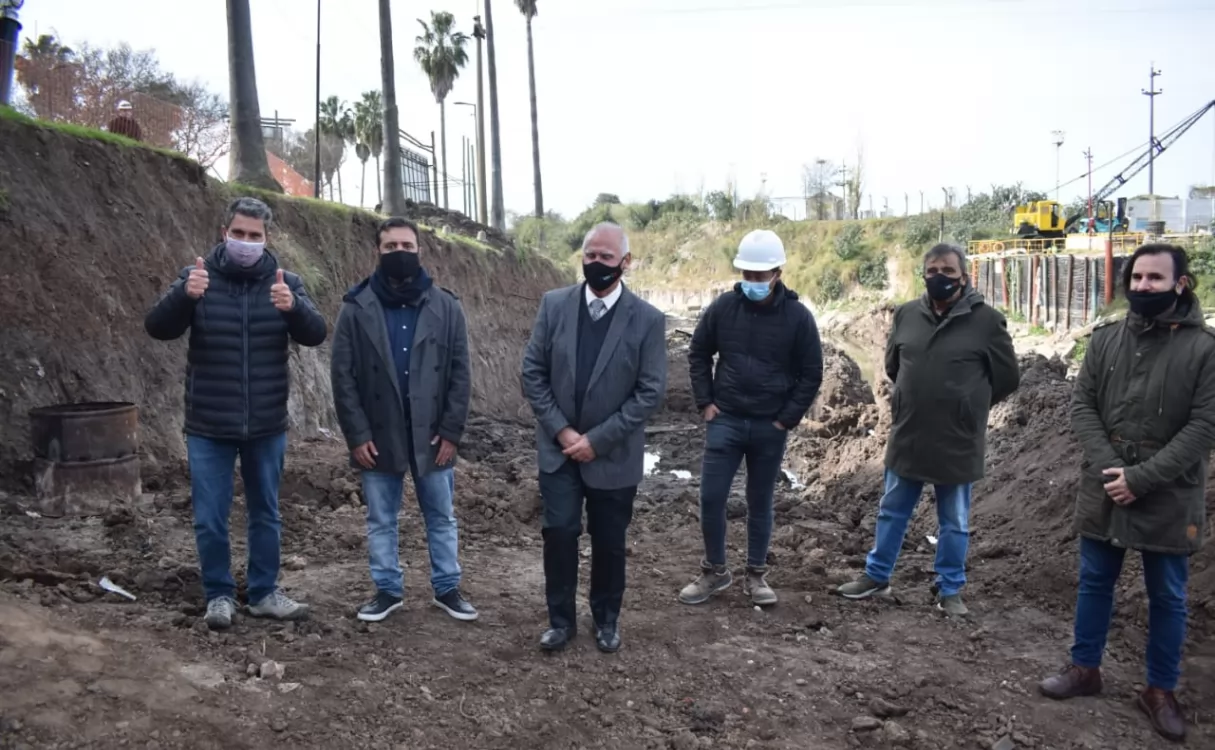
x=598 y=309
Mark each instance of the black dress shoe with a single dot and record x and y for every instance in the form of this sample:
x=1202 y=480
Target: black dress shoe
x=607 y=638
x=555 y=639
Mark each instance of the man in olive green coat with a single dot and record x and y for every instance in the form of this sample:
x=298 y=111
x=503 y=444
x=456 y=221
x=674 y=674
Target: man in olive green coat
x=950 y=358
x=1143 y=409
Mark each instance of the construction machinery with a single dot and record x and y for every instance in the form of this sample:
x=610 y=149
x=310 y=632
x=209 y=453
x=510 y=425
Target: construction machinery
x=1044 y=220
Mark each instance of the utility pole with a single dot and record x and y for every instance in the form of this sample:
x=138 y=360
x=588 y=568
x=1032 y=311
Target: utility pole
x=1088 y=154
x=906 y=204
x=1058 y=141
x=1151 y=92
x=843 y=185
x=921 y=201
x=946 y=192
x=482 y=203
x=316 y=128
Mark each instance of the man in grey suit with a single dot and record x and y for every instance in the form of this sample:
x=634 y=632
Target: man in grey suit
x=594 y=371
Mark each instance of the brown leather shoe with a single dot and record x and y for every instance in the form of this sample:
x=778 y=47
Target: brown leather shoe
x=1164 y=713
x=1072 y=682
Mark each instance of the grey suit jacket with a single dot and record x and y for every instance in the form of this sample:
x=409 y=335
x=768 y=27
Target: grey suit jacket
x=626 y=386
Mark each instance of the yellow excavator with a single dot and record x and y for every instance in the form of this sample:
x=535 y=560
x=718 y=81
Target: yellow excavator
x=1045 y=220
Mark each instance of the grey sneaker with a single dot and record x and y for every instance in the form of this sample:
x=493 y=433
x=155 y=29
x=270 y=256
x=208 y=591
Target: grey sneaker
x=220 y=612
x=952 y=605
x=863 y=588
x=712 y=579
x=756 y=586
x=279 y=606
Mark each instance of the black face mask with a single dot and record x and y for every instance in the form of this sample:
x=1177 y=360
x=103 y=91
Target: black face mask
x=600 y=276
x=1151 y=304
x=941 y=287
x=400 y=265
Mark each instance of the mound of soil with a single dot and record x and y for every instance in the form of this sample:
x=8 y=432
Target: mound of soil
x=93 y=234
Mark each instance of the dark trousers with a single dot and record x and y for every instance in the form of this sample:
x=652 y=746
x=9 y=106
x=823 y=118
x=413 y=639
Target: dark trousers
x=608 y=513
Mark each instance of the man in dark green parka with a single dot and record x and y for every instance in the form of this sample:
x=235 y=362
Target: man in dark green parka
x=1143 y=409
x=951 y=359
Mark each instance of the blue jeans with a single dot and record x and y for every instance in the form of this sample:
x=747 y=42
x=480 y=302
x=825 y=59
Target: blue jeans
x=212 y=464
x=728 y=441
x=436 y=495
x=1166 y=577
x=953 y=537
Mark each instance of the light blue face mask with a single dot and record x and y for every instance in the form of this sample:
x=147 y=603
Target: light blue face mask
x=756 y=291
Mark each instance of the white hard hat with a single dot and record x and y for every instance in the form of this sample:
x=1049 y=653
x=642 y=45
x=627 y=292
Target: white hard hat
x=124 y=104
x=760 y=250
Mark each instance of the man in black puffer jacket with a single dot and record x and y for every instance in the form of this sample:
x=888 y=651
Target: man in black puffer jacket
x=241 y=310
x=769 y=369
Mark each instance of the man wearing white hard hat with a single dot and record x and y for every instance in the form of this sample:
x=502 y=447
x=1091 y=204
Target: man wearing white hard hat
x=124 y=123
x=768 y=372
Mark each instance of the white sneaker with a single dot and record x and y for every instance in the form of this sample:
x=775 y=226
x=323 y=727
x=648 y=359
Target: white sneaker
x=279 y=606
x=220 y=612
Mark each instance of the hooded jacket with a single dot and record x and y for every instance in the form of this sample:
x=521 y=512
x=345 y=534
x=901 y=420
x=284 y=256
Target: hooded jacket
x=948 y=371
x=237 y=378
x=1145 y=401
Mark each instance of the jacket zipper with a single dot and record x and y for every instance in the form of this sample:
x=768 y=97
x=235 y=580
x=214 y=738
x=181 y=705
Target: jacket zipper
x=244 y=333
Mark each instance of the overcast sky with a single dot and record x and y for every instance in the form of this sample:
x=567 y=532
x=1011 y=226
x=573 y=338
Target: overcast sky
x=644 y=98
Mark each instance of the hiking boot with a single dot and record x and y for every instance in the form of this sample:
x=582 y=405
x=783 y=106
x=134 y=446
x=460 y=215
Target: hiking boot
x=1164 y=713
x=756 y=586
x=952 y=605
x=454 y=604
x=279 y=606
x=379 y=607
x=220 y=612
x=1072 y=682
x=863 y=588
x=712 y=580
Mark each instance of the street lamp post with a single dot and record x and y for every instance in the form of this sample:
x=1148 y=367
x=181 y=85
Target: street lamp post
x=9 y=28
x=1058 y=141
x=480 y=165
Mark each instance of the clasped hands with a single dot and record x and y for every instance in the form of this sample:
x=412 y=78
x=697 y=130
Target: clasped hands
x=1116 y=486
x=575 y=445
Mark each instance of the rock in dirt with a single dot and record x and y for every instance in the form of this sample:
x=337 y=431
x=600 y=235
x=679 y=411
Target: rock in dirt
x=895 y=734
x=685 y=740
x=1004 y=743
x=865 y=724
x=884 y=709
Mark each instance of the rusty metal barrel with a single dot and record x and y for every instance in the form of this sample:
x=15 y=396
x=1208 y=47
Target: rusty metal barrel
x=86 y=456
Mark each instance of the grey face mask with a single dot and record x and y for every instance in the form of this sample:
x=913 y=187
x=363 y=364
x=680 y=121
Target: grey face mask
x=243 y=253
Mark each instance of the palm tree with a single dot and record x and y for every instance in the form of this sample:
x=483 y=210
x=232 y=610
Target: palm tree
x=369 y=132
x=528 y=9
x=248 y=164
x=337 y=128
x=498 y=209
x=441 y=53
x=394 y=190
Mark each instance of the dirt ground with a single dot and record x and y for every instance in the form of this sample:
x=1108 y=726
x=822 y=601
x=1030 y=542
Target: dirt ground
x=80 y=668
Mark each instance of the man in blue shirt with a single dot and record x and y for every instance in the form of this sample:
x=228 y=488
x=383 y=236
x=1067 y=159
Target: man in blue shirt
x=401 y=387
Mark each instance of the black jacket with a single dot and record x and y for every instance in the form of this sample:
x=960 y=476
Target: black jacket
x=769 y=357
x=237 y=378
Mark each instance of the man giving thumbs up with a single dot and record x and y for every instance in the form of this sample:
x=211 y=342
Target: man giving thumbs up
x=241 y=310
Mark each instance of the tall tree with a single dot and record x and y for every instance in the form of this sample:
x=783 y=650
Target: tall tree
x=498 y=210
x=369 y=125
x=248 y=163
x=337 y=129
x=394 y=190
x=441 y=52
x=528 y=9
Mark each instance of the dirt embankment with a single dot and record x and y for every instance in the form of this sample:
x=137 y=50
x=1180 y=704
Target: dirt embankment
x=92 y=234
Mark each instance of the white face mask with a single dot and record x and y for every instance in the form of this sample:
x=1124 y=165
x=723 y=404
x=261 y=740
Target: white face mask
x=244 y=253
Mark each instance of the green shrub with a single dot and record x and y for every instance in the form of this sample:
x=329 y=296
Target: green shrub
x=872 y=273
x=849 y=243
